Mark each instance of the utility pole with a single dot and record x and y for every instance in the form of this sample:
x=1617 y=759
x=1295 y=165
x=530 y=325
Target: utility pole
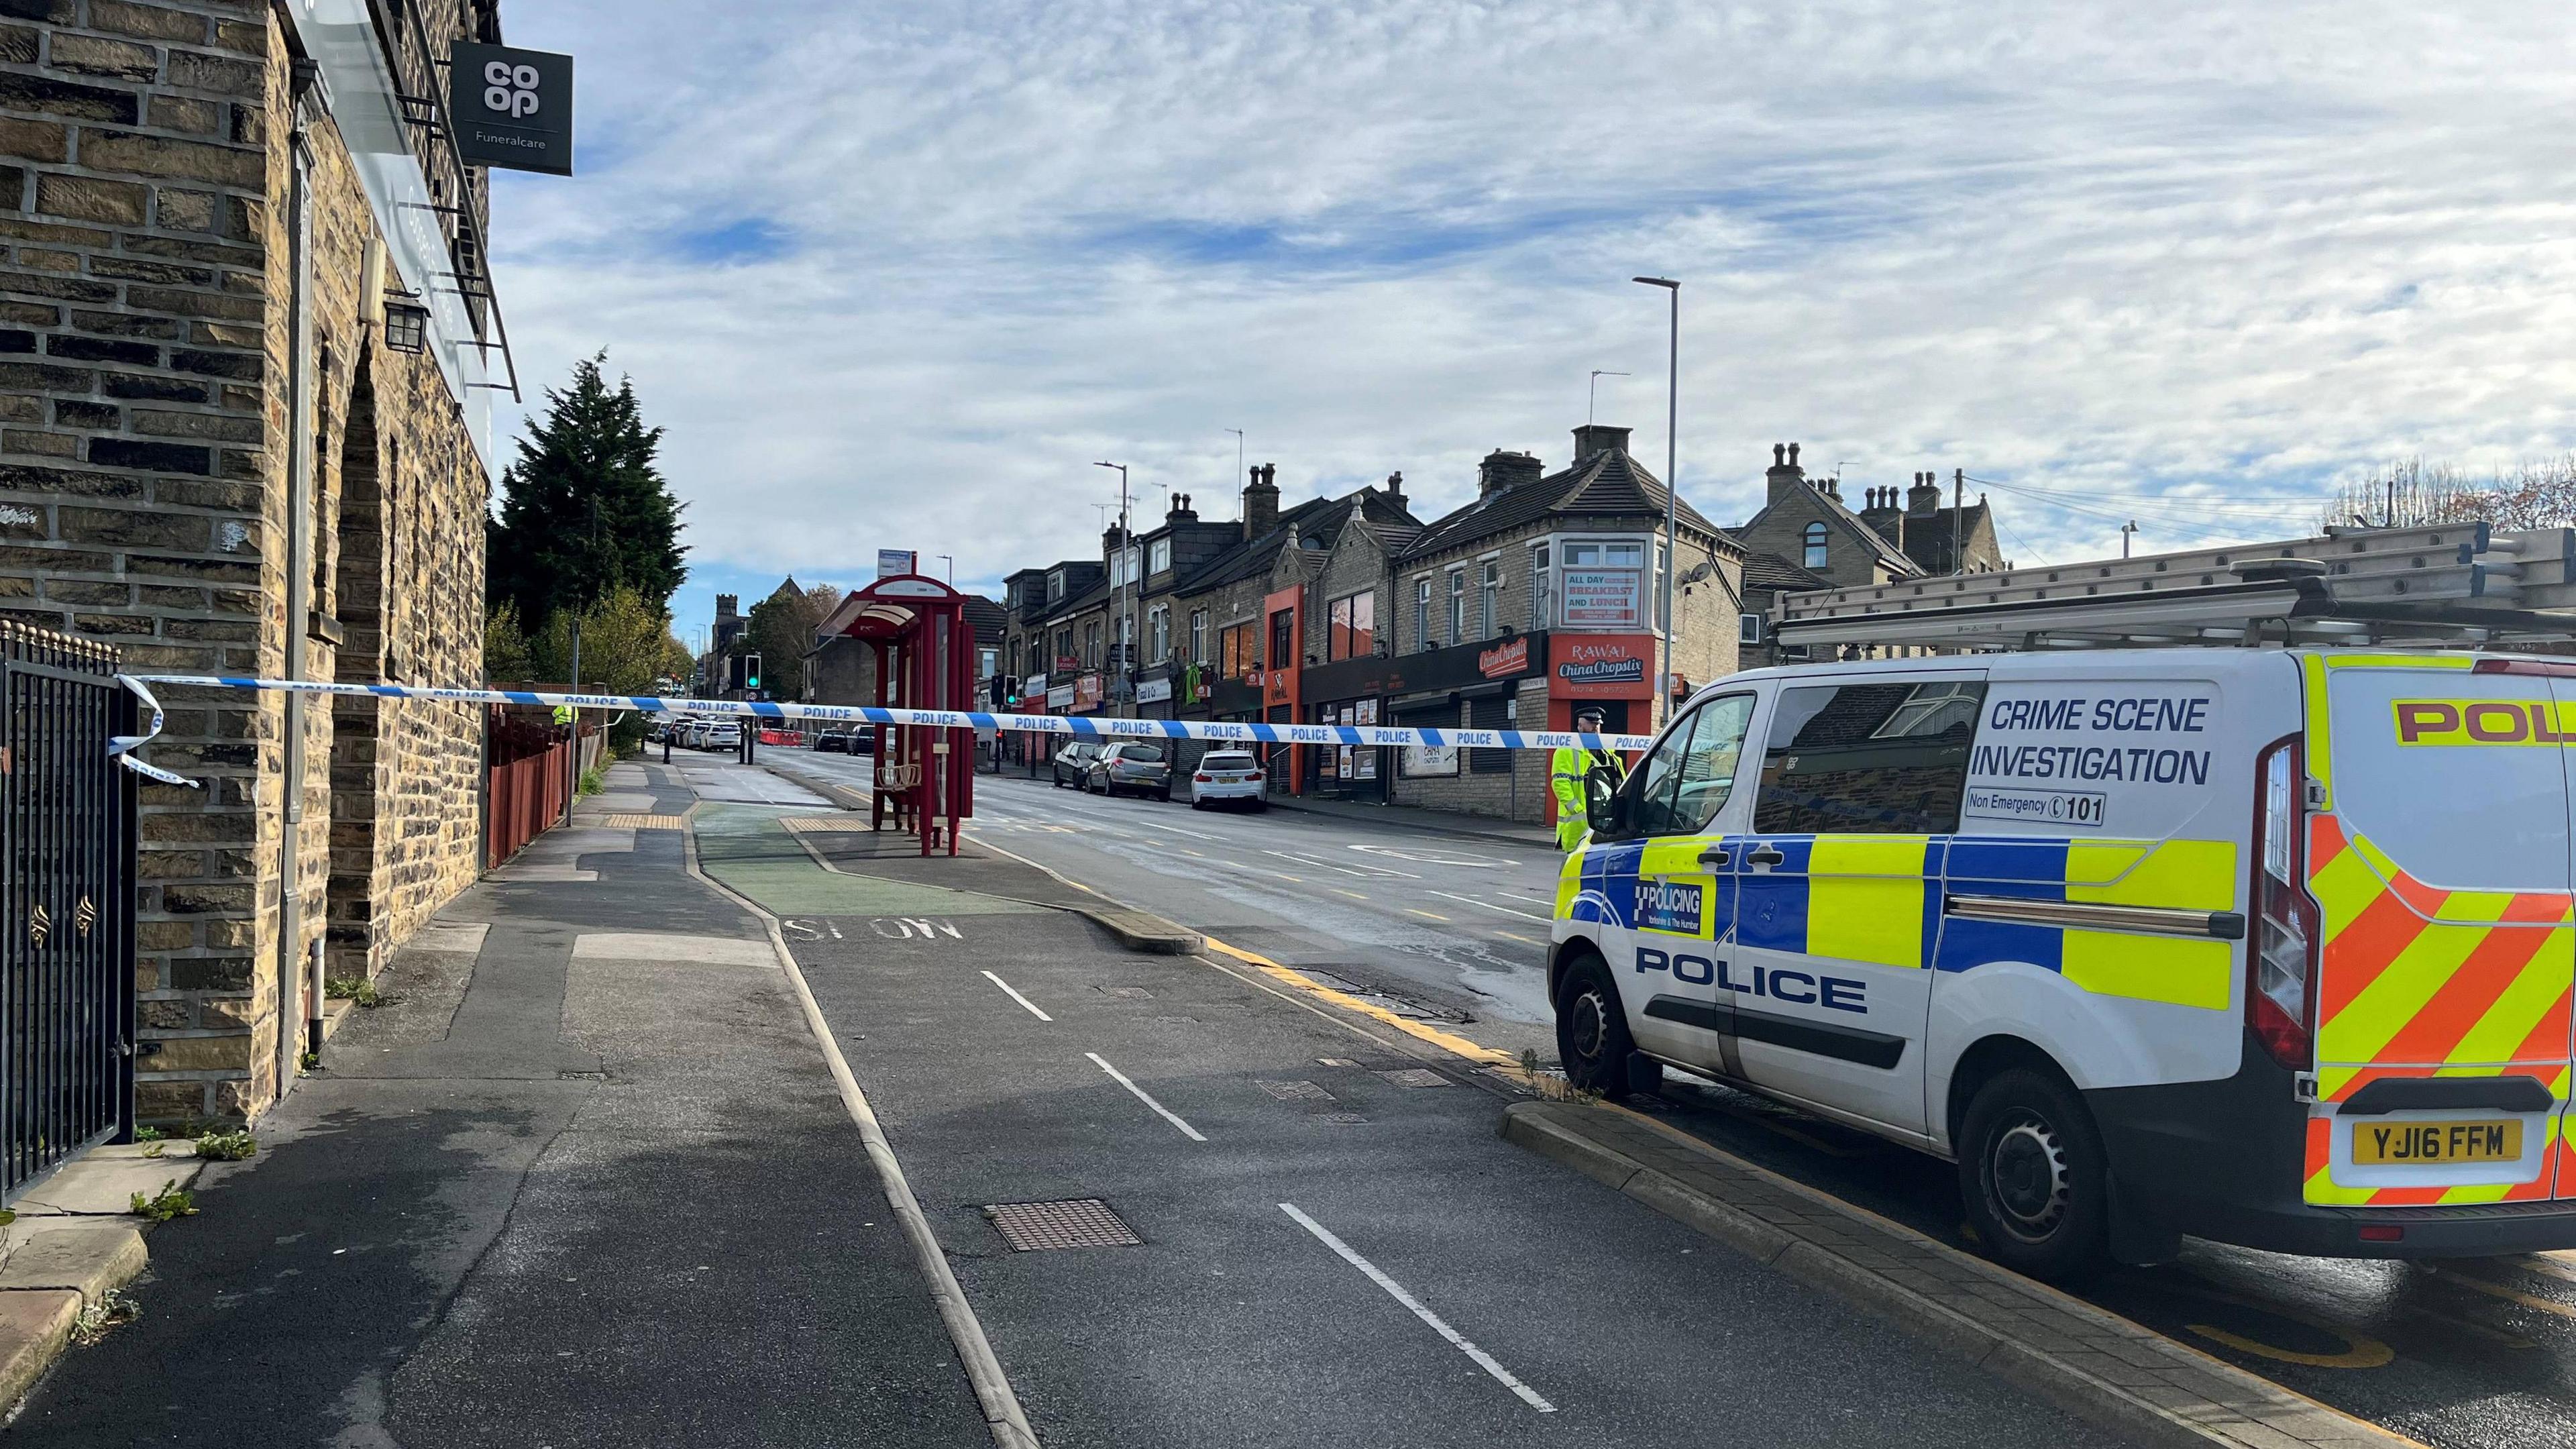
x=581 y=595
x=1958 y=520
x=1123 y=567
x=1672 y=482
x=1238 y=455
x=2127 y=529
x=951 y=561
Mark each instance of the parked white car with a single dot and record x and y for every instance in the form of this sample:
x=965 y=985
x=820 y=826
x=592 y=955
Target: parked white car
x=1227 y=777
x=722 y=735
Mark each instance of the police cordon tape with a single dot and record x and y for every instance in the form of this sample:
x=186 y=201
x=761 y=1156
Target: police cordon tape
x=1073 y=726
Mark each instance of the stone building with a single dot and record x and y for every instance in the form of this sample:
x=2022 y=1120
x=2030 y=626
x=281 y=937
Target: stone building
x=1542 y=596
x=212 y=455
x=1806 y=537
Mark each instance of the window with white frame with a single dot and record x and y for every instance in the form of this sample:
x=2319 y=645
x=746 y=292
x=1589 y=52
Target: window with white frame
x=1159 y=556
x=1489 y=610
x=1158 y=633
x=1748 y=628
x=1198 y=636
x=1815 y=551
x=1663 y=566
x=1422 y=613
x=1055 y=586
x=1542 y=582
x=1458 y=605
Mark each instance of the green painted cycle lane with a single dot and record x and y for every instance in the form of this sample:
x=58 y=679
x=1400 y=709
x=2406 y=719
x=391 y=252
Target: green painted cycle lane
x=751 y=849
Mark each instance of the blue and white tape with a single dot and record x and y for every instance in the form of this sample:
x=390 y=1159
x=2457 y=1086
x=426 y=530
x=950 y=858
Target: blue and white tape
x=1074 y=726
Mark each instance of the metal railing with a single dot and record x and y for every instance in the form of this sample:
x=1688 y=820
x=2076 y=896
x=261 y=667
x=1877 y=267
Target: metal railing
x=67 y=836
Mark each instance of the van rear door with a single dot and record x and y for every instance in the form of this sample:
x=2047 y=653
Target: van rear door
x=2441 y=866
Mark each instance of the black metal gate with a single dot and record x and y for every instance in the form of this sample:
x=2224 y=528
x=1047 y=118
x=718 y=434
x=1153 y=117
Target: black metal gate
x=66 y=905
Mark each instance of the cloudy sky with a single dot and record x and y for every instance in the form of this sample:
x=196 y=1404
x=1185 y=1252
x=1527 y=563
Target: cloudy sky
x=896 y=275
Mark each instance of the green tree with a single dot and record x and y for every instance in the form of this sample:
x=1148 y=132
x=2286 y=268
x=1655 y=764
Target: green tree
x=780 y=630
x=505 y=646
x=624 y=650
x=584 y=510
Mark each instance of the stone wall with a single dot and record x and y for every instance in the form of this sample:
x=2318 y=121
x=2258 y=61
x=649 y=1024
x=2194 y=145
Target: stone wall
x=145 y=351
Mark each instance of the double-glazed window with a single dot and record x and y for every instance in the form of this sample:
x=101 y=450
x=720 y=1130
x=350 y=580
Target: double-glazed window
x=1686 y=781
x=1458 y=606
x=1815 y=554
x=1159 y=556
x=1242 y=650
x=1353 y=634
x=1888 y=758
x=1198 y=636
x=1422 y=613
x=1542 y=587
x=1158 y=633
x=1283 y=639
x=1489 y=594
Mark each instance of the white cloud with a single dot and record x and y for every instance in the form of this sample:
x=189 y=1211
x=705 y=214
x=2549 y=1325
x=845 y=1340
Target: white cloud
x=2212 y=252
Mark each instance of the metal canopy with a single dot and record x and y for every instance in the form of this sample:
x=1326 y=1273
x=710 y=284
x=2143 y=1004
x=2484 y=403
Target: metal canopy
x=2445 y=583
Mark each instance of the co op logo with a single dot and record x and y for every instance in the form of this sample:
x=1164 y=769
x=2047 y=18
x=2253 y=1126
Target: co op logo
x=510 y=90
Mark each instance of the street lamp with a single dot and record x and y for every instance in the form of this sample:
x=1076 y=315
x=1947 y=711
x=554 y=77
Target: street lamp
x=1238 y=455
x=1122 y=676
x=1672 y=467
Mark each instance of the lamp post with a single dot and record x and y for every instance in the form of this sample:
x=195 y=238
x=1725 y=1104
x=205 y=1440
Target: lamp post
x=1238 y=455
x=1672 y=482
x=1122 y=676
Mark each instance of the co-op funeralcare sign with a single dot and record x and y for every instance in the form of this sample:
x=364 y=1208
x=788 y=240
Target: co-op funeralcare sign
x=512 y=107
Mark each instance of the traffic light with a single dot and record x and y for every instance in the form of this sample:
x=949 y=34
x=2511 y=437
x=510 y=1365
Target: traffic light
x=751 y=671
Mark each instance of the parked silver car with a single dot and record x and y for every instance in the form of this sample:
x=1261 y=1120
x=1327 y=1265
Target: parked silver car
x=1135 y=768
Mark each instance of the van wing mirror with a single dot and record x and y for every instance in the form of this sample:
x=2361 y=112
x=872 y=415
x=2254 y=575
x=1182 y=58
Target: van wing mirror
x=1604 y=807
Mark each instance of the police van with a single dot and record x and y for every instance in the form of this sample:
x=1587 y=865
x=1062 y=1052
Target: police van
x=2270 y=943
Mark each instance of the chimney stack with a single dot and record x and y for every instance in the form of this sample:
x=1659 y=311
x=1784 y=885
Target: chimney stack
x=1180 y=511
x=1502 y=470
x=1261 y=501
x=1594 y=438
x=1395 y=489
x=1785 y=479
x=1925 y=495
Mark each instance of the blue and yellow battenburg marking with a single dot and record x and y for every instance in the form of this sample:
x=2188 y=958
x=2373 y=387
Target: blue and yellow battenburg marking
x=1877 y=899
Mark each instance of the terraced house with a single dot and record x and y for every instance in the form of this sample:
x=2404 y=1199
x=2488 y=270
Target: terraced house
x=243 y=336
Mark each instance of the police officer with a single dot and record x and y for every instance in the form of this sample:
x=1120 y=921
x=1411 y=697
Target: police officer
x=1570 y=772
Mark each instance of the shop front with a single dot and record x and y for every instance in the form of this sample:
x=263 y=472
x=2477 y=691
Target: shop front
x=1614 y=673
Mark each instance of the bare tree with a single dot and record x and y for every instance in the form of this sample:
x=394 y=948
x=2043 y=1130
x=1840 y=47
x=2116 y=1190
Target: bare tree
x=2414 y=493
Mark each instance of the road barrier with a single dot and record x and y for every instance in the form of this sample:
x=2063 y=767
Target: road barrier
x=1072 y=726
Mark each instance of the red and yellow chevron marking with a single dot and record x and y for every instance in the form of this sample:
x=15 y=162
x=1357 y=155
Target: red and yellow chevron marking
x=2421 y=981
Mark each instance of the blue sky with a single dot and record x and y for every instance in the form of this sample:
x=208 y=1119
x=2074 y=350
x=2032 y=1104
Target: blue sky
x=898 y=275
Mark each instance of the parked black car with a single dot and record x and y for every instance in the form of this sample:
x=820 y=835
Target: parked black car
x=1073 y=763
x=832 y=742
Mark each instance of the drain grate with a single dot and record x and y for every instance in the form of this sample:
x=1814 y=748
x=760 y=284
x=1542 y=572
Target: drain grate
x=1416 y=1077
x=1296 y=1091
x=1081 y=1222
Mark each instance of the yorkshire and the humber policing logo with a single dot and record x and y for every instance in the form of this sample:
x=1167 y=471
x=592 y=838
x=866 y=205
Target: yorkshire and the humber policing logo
x=1673 y=906
x=2483 y=722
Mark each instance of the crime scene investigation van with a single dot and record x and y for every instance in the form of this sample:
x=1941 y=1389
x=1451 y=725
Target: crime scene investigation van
x=2269 y=942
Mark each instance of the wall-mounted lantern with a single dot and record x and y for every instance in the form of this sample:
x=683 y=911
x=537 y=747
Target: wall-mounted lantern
x=406 y=325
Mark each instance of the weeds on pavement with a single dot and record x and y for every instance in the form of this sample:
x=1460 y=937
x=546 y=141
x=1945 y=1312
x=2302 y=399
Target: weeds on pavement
x=226 y=1146
x=112 y=1308
x=172 y=1201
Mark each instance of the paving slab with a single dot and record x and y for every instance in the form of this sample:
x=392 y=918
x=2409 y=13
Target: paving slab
x=88 y=1260
x=671 y=947
x=105 y=1186
x=35 y=1325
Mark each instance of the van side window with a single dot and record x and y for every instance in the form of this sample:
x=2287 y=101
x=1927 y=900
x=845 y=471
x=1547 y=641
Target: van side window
x=1687 y=779
x=1867 y=759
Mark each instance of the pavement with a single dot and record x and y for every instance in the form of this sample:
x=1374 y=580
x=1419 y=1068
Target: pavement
x=586 y=1181
x=1302 y=1228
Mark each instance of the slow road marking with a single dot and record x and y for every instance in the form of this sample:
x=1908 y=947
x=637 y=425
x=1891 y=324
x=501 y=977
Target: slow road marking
x=1016 y=996
x=1166 y=1113
x=1396 y=1291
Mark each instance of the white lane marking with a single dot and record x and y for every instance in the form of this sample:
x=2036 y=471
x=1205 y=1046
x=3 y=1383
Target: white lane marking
x=1174 y=829
x=1160 y=1110
x=1396 y=1291
x=1489 y=905
x=1432 y=859
x=1365 y=873
x=1015 y=996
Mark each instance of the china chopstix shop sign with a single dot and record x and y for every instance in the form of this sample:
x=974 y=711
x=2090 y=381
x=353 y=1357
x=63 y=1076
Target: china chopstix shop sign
x=2483 y=722
x=1600 y=666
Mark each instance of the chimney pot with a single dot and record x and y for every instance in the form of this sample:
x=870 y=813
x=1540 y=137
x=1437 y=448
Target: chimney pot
x=1261 y=501
x=1793 y=452
x=1502 y=470
x=1785 y=477
x=1779 y=455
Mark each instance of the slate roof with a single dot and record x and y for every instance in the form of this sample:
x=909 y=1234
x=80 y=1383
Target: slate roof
x=1850 y=523
x=987 y=617
x=1315 y=524
x=1927 y=537
x=1609 y=482
x=1771 y=571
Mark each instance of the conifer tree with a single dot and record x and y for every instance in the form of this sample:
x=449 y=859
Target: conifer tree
x=584 y=511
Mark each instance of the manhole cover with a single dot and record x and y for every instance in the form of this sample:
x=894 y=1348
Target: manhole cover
x=1296 y=1091
x=1416 y=1077
x=1082 y=1222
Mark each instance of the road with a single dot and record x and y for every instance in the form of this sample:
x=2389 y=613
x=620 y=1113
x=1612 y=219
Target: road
x=2475 y=1355
x=1447 y=929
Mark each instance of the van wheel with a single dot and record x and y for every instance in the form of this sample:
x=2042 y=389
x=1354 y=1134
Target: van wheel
x=1592 y=1031
x=2031 y=1168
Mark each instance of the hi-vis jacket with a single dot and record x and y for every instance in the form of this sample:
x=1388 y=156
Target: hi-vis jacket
x=2299 y=926
x=1569 y=772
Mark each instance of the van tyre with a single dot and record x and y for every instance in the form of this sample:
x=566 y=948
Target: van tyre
x=2031 y=1169
x=1592 y=1031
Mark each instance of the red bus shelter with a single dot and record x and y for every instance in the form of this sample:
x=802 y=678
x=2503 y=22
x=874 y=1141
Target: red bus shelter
x=925 y=659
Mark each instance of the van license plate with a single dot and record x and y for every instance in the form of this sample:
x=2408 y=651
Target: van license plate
x=2403 y=1143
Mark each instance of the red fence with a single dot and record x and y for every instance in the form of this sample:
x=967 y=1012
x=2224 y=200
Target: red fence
x=527 y=795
